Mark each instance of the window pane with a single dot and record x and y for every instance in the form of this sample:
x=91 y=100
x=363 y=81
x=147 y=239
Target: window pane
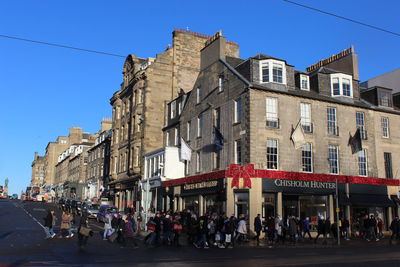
x=305 y=113
x=265 y=72
x=362 y=162
x=346 y=87
x=360 y=124
x=277 y=73
x=306 y=156
x=332 y=128
x=388 y=164
x=336 y=86
x=333 y=159
x=272 y=154
x=385 y=126
x=272 y=112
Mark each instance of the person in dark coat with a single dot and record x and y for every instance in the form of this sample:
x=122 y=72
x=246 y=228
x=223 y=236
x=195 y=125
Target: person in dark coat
x=192 y=227
x=395 y=228
x=257 y=228
x=84 y=222
x=271 y=230
x=292 y=229
x=129 y=232
x=49 y=222
x=323 y=228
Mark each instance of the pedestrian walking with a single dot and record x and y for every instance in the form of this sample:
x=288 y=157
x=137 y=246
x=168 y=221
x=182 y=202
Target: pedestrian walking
x=107 y=225
x=257 y=228
x=241 y=229
x=323 y=229
x=271 y=231
x=66 y=221
x=371 y=229
x=177 y=228
x=84 y=231
x=49 y=222
x=292 y=229
x=229 y=231
x=380 y=227
x=395 y=228
x=307 y=228
x=130 y=231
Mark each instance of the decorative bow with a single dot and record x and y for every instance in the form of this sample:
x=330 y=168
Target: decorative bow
x=236 y=172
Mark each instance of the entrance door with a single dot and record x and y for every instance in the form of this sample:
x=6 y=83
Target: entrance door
x=290 y=206
x=242 y=204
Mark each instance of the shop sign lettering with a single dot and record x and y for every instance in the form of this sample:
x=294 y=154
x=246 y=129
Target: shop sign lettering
x=305 y=184
x=201 y=185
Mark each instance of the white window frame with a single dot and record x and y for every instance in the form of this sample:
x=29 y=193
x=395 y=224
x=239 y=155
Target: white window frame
x=303 y=148
x=332 y=121
x=236 y=158
x=306 y=78
x=221 y=83
x=362 y=154
x=199 y=125
x=198 y=95
x=179 y=107
x=167 y=139
x=238 y=113
x=360 y=123
x=277 y=153
x=198 y=162
x=341 y=77
x=173 y=109
x=330 y=159
x=270 y=63
x=385 y=127
x=305 y=116
x=176 y=137
x=271 y=104
x=188 y=124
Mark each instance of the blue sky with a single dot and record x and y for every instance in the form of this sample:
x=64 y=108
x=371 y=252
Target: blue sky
x=46 y=90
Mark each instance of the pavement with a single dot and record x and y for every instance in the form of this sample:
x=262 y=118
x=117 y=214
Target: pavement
x=22 y=243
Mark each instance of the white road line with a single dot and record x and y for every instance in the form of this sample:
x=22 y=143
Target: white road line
x=30 y=215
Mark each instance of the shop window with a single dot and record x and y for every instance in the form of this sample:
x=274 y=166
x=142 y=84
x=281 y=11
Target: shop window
x=192 y=203
x=268 y=205
x=212 y=204
x=242 y=204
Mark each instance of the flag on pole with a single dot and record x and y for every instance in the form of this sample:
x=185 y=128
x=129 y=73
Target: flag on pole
x=218 y=139
x=186 y=151
x=297 y=136
x=355 y=142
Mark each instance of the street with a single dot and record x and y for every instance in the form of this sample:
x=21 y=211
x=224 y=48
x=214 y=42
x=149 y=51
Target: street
x=23 y=244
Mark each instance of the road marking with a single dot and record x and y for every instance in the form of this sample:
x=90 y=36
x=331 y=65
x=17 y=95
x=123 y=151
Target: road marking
x=30 y=215
x=36 y=209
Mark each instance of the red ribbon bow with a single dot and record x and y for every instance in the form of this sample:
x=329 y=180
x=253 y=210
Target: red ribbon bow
x=236 y=172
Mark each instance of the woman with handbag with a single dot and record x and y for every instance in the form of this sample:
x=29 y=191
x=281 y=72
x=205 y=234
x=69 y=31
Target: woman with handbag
x=84 y=231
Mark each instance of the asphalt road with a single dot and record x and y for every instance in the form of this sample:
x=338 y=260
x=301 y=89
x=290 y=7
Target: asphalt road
x=22 y=243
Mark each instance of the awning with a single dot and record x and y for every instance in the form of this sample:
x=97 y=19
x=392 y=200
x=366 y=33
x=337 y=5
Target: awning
x=365 y=200
x=395 y=199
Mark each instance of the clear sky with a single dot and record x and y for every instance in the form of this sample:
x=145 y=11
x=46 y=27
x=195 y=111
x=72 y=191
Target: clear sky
x=46 y=90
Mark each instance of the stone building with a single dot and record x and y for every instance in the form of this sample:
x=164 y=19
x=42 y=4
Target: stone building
x=239 y=119
x=138 y=109
x=54 y=149
x=98 y=167
x=37 y=179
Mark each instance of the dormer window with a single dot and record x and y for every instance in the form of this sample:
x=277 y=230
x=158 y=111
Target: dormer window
x=173 y=109
x=304 y=82
x=272 y=71
x=341 y=85
x=385 y=98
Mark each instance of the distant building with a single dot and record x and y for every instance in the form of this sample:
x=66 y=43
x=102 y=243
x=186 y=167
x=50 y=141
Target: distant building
x=98 y=167
x=390 y=80
x=38 y=171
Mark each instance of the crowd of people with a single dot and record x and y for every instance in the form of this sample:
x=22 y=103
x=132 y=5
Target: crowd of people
x=220 y=231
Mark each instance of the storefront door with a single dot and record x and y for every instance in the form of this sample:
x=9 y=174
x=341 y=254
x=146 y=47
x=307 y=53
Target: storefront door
x=242 y=204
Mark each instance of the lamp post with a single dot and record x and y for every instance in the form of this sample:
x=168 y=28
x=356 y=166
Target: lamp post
x=337 y=213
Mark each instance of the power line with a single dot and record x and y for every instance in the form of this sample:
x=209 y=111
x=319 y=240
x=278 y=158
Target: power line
x=344 y=18
x=62 y=46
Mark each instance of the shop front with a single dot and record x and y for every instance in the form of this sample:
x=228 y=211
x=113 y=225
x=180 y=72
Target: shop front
x=125 y=194
x=298 y=198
